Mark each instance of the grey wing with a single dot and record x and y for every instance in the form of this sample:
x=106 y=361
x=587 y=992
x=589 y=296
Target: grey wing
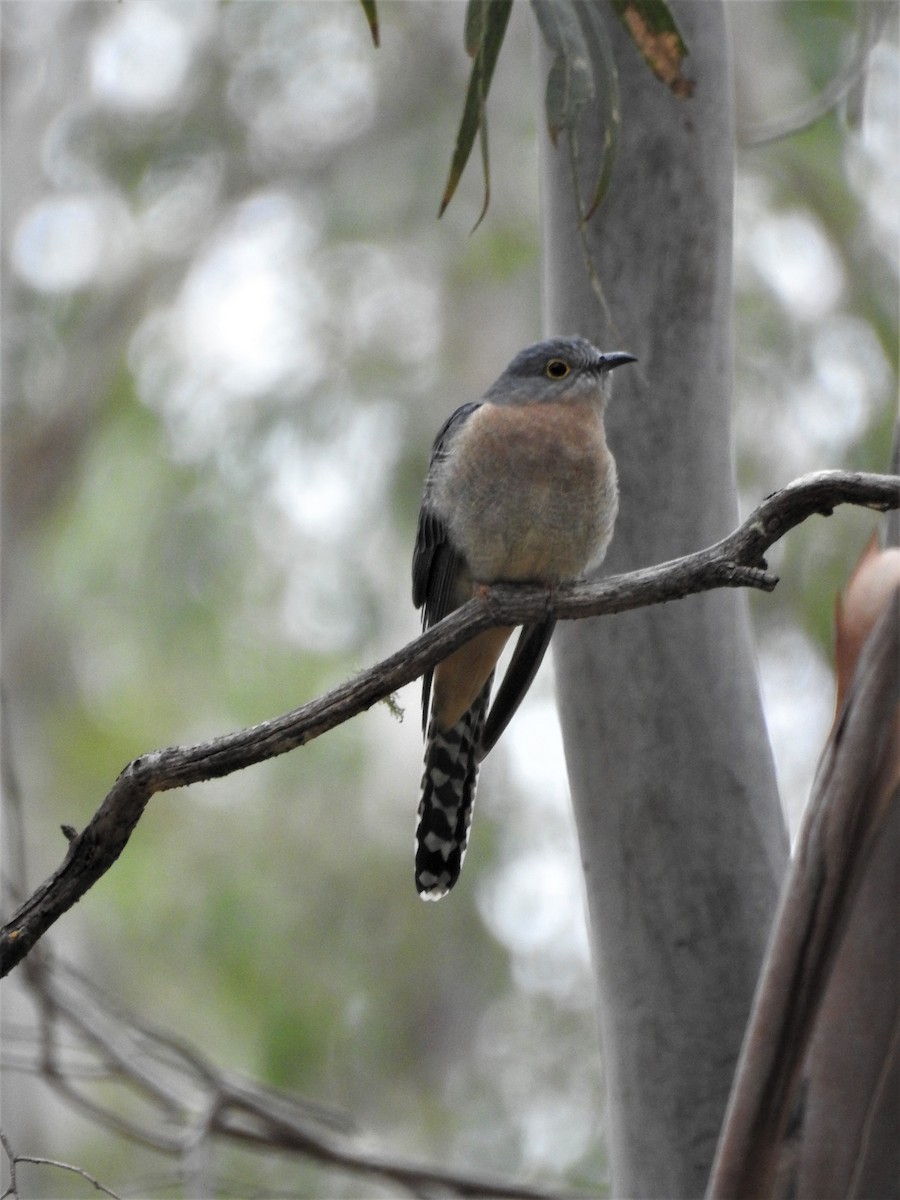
x=437 y=564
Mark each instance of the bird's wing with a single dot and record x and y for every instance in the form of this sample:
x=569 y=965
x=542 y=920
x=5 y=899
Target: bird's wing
x=527 y=657
x=437 y=564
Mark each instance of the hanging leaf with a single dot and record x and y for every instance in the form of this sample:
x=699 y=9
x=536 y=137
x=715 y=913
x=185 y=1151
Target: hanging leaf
x=473 y=31
x=570 y=84
x=485 y=27
x=654 y=32
x=485 y=169
x=567 y=28
x=368 y=7
x=595 y=30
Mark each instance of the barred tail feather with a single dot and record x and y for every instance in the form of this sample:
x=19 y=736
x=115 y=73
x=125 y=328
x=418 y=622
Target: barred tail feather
x=448 y=797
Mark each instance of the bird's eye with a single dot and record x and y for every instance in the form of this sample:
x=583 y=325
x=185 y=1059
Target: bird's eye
x=557 y=368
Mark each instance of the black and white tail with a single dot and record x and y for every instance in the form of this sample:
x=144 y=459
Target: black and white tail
x=448 y=797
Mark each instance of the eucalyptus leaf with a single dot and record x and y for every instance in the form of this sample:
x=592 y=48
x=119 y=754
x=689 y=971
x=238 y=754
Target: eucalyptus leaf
x=486 y=169
x=595 y=29
x=473 y=31
x=486 y=22
x=655 y=33
x=570 y=83
x=368 y=7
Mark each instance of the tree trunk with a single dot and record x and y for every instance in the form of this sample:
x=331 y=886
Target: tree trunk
x=681 y=834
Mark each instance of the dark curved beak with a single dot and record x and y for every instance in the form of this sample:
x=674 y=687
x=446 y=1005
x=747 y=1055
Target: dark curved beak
x=615 y=358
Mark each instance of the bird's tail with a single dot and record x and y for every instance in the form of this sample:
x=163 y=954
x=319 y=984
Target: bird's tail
x=448 y=797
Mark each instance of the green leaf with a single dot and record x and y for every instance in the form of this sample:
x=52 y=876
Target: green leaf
x=473 y=32
x=596 y=31
x=485 y=169
x=568 y=28
x=653 y=30
x=485 y=27
x=570 y=84
x=368 y=7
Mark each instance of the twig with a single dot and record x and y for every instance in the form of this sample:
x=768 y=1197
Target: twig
x=189 y=1101
x=736 y=561
x=40 y=1161
x=13 y=1189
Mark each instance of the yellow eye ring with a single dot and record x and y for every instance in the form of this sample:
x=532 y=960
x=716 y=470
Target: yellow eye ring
x=557 y=368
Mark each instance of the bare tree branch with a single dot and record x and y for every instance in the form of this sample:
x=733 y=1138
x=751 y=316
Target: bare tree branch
x=736 y=561
x=38 y=1161
x=188 y=1101
x=872 y=21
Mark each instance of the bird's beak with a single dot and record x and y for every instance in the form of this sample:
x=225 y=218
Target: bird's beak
x=615 y=358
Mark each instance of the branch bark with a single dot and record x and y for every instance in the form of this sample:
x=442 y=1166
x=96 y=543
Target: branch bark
x=735 y=561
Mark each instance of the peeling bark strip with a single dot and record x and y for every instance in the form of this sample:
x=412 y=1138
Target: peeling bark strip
x=736 y=561
x=810 y=1114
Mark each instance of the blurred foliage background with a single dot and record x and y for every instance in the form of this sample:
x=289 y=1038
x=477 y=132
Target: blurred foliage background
x=232 y=325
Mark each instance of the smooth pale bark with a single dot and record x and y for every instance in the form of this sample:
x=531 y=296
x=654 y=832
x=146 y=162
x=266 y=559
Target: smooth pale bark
x=681 y=833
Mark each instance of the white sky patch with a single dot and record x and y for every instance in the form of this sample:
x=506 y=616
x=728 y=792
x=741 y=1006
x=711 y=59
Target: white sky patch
x=58 y=245
x=68 y=242
x=246 y=324
x=533 y=740
x=140 y=59
x=534 y=905
x=795 y=258
x=872 y=161
x=391 y=301
x=850 y=376
x=248 y=305
x=833 y=402
x=798 y=695
x=302 y=79
x=319 y=612
x=336 y=485
x=752 y=202
x=323 y=503
x=557 y=1130
x=334 y=85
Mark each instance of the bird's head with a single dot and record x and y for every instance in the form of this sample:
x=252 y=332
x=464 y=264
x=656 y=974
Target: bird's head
x=559 y=369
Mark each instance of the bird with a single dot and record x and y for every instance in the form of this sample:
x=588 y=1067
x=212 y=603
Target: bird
x=521 y=487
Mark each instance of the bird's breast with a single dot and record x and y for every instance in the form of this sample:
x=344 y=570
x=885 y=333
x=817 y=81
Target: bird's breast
x=529 y=491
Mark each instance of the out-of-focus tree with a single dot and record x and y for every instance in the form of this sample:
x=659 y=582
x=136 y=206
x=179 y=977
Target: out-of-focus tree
x=231 y=327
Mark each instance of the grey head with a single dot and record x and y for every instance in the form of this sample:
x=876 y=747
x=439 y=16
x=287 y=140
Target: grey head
x=559 y=369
